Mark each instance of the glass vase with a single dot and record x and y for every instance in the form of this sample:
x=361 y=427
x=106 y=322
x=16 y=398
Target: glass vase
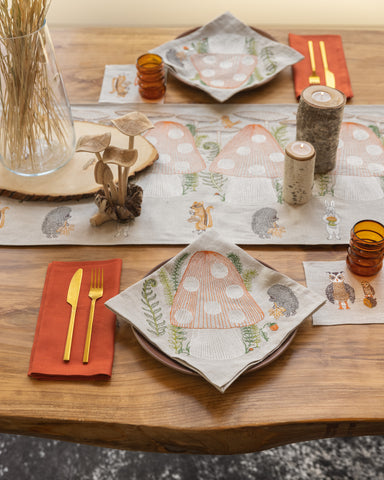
x=36 y=128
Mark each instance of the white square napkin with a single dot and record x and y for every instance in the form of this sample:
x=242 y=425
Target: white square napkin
x=351 y=299
x=226 y=56
x=215 y=309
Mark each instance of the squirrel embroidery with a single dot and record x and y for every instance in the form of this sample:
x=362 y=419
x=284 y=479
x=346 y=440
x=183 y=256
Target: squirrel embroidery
x=120 y=85
x=201 y=216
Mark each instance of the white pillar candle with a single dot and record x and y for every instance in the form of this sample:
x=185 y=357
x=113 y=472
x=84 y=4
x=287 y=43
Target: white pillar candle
x=299 y=166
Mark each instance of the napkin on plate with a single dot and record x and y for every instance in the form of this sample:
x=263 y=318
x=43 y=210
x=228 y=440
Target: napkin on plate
x=215 y=309
x=52 y=324
x=351 y=299
x=226 y=56
x=335 y=58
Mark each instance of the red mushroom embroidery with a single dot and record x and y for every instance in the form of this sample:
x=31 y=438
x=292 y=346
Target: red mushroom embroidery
x=253 y=152
x=177 y=149
x=223 y=70
x=360 y=158
x=212 y=295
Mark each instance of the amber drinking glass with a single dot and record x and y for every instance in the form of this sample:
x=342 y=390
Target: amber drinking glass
x=151 y=76
x=366 y=248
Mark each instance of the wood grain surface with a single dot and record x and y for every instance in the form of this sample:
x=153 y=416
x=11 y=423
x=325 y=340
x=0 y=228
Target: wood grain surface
x=328 y=383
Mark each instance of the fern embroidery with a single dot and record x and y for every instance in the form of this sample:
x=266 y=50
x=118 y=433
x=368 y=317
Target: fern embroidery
x=248 y=277
x=235 y=259
x=190 y=182
x=177 y=337
x=280 y=134
x=324 y=185
x=215 y=181
x=152 y=309
x=267 y=58
x=251 y=337
x=167 y=285
x=213 y=149
x=176 y=274
x=279 y=189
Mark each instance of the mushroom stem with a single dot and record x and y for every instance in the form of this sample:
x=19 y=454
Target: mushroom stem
x=122 y=193
x=126 y=169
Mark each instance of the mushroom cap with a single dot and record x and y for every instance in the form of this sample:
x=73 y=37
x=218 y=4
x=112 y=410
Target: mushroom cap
x=132 y=124
x=93 y=143
x=120 y=156
x=100 y=168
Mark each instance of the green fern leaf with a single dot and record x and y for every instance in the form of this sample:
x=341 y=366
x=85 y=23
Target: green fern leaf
x=235 y=259
x=248 y=277
x=190 y=182
x=176 y=273
x=251 y=337
x=281 y=135
x=150 y=308
x=167 y=285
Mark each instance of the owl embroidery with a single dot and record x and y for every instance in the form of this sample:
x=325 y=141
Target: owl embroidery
x=369 y=294
x=339 y=291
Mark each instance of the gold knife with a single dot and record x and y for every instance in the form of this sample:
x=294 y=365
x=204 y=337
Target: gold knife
x=329 y=76
x=72 y=299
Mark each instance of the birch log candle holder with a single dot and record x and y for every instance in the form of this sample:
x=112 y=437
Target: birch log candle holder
x=299 y=165
x=119 y=201
x=319 y=118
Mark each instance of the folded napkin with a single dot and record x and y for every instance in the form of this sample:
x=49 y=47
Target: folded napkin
x=351 y=299
x=335 y=58
x=215 y=309
x=225 y=56
x=52 y=324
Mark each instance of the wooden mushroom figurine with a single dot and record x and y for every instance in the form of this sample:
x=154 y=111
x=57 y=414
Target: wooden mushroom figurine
x=121 y=202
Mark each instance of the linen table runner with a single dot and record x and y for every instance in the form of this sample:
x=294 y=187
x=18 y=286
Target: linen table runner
x=221 y=167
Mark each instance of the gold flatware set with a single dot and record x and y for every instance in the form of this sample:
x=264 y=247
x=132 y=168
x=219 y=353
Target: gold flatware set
x=95 y=292
x=314 y=78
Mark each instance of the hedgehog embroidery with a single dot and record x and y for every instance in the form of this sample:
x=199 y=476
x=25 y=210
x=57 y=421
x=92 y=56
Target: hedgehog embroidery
x=56 y=222
x=264 y=221
x=369 y=295
x=284 y=301
x=339 y=291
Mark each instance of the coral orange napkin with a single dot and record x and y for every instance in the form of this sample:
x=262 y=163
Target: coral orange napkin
x=335 y=57
x=52 y=324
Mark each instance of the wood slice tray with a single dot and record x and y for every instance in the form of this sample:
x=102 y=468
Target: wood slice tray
x=76 y=179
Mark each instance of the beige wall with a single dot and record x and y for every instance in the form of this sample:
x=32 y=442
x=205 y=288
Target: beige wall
x=199 y=12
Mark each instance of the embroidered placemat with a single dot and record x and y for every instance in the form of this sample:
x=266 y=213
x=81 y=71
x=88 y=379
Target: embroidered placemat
x=215 y=309
x=219 y=166
x=350 y=298
x=120 y=86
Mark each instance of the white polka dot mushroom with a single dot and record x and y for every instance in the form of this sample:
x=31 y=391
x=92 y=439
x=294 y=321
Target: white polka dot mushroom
x=360 y=158
x=177 y=150
x=212 y=295
x=219 y=70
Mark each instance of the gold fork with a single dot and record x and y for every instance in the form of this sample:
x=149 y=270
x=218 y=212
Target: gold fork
x=95 y=292
x=314 y=78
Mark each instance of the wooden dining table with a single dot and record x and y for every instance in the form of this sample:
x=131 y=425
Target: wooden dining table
x=328 y=383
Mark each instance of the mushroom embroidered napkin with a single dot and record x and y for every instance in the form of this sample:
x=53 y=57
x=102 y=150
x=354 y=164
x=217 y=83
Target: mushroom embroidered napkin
x=226 y=56
x=215 y=309
x=351 y=299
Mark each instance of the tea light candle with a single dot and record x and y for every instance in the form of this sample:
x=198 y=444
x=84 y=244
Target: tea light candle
x=299 y=166
x=319 y=118
x=321 y=96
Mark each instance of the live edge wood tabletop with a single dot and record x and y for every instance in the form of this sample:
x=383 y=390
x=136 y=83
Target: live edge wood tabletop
x=329 y=382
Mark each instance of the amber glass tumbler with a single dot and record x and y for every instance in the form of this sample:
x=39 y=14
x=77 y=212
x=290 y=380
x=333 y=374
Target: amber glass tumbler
x=151 y=76
x=366 y=248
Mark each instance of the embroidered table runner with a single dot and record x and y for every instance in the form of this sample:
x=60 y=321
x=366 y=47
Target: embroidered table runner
x=220 y=166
